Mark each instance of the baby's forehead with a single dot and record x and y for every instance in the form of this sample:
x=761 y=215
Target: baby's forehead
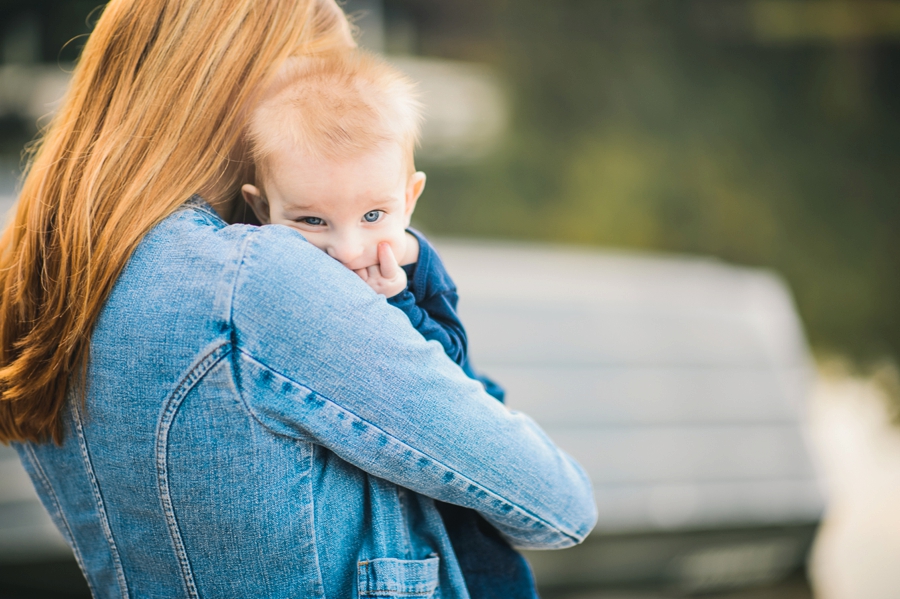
x=295 y=179
x=384 y=160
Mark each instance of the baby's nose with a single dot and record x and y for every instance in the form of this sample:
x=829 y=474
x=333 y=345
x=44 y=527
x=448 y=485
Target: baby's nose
x=345 y=253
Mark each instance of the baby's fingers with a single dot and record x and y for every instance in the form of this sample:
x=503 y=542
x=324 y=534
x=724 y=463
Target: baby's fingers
x=387 y=262
x=363 y=273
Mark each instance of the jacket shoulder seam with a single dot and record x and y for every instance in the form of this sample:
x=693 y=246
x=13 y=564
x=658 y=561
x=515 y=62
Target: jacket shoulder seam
x=224 y=299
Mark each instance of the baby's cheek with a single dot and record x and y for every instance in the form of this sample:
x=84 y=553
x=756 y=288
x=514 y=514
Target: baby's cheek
x=314 y=240
x=398 y=246
x=317 y=241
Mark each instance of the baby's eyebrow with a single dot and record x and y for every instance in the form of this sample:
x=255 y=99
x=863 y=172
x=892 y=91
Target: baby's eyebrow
x=382 y=200
x=297 y=208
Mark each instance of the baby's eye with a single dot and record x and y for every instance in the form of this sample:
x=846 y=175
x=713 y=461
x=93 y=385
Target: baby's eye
x=313 y=221
x=373 y=216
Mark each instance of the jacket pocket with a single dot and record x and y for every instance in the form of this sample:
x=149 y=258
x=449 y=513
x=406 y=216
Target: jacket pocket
x=389 y=578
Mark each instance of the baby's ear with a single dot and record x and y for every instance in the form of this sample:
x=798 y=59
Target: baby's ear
x=254 y=197
x=414 y=188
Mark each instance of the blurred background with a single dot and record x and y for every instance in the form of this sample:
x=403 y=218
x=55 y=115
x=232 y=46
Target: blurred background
x=712 y=184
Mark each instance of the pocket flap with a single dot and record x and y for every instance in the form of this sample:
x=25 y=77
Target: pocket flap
x=386 y=576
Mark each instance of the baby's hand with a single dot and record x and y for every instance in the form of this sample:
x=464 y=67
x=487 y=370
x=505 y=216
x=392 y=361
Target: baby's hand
x=386 y=277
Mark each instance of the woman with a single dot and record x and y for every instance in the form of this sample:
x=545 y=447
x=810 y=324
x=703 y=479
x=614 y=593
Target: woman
x=222 y=411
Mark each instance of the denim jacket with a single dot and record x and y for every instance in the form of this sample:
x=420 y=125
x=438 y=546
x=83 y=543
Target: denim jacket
x=257 y=422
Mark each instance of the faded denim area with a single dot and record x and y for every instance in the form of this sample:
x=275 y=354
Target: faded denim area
x=259 y=423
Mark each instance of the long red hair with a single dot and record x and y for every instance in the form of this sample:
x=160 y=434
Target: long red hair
x=153 y=114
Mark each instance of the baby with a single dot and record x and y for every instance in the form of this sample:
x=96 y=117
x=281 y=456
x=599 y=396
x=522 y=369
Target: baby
x=333 y=145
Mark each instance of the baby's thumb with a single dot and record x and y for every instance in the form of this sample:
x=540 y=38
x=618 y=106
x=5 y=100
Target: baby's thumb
x=387 y=262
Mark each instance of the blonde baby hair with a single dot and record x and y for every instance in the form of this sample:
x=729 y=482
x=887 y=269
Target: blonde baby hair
x=335 y=106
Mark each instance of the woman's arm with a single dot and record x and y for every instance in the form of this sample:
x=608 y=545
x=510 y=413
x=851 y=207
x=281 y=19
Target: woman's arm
x=319 y=355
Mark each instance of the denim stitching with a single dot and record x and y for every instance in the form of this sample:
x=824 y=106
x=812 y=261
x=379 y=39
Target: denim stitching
x=170 y=410
x=224 y=300
x=423 y=595
x=196 y=202
x=403 y=500
x=528 y=515
x=320 y=581
x=362 y=571
x=101 y=508
x=51 y=495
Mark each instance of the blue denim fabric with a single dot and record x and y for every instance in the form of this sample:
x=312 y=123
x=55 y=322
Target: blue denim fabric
x=259 y=423
x=491 y=568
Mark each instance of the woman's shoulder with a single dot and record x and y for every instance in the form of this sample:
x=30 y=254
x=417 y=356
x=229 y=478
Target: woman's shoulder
x=194 y=268
x=194 y=248
x=191 y=243
x=196 y=234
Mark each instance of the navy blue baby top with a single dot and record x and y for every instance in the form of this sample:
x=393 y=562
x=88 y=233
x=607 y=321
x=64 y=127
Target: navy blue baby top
x=492 y=569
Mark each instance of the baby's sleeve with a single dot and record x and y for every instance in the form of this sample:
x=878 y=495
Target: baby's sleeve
x=429 y=301
x=436 y=320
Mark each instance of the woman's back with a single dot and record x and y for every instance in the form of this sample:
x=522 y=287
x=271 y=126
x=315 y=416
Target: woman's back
x=166 y=450
x=218 y=386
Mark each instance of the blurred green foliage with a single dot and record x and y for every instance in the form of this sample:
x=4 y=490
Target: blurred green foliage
x=636 y=127
x=648 y=124
x=62 y=24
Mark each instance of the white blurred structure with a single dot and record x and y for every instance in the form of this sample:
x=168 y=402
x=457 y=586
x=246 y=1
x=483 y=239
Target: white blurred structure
x=466 y=111
x=679 y=385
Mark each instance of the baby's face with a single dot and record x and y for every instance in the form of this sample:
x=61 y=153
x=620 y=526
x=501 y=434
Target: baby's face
x=344 y=207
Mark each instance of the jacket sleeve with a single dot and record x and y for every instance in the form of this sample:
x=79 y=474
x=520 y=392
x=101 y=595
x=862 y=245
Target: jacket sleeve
x=319 y=356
